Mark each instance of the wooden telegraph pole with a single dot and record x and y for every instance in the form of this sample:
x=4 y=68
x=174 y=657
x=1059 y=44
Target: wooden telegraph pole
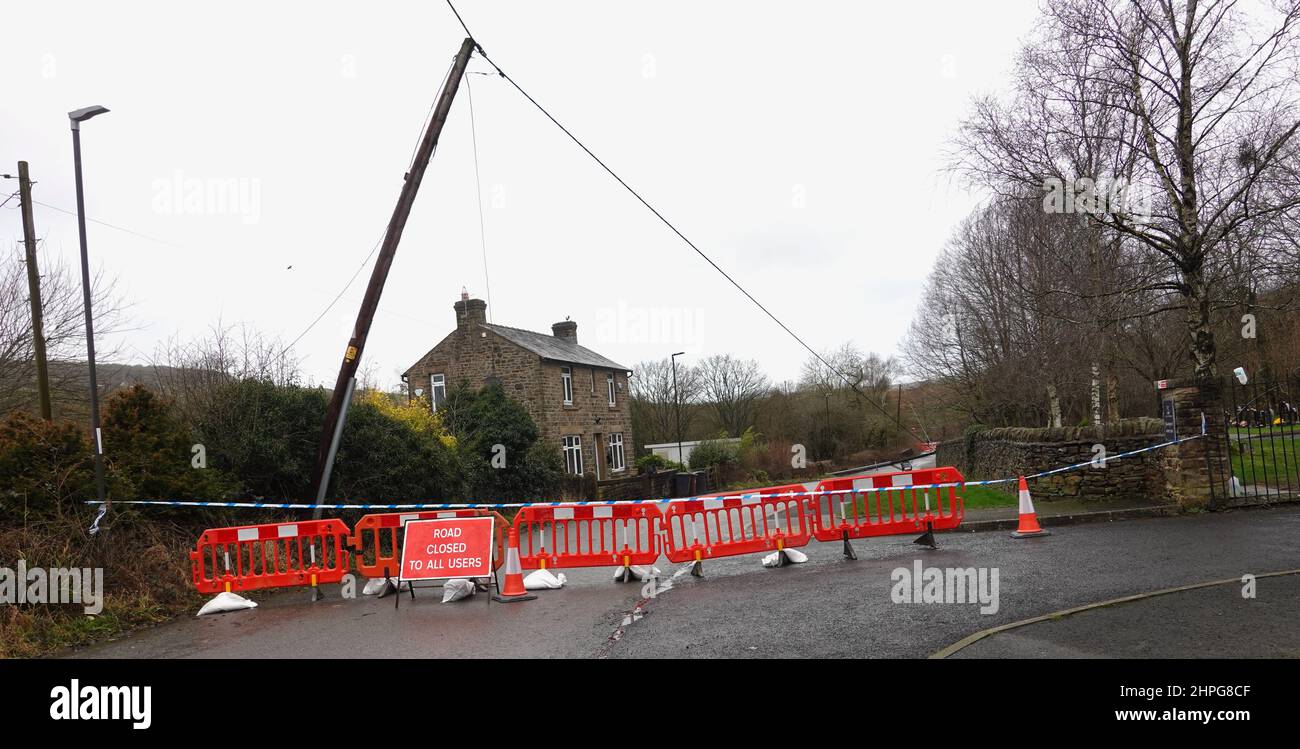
x=34 y=288
x=346 y=381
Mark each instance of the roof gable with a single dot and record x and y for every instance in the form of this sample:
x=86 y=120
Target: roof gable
x=428 y=353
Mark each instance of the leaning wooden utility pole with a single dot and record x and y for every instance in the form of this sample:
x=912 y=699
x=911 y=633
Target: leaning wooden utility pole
x=333 y=430
x=34 y=289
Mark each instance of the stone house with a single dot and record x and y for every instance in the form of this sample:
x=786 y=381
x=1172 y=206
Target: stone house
x=578 y=398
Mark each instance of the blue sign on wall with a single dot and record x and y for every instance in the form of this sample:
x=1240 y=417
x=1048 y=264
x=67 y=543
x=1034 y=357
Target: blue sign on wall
x=1168 y=414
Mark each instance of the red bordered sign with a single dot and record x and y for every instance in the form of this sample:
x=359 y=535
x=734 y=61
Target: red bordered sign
x=446 y=548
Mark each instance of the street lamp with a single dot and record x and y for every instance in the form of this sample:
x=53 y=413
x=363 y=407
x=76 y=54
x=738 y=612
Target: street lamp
x=826 y=431
x=77 y=117
x=677 y=407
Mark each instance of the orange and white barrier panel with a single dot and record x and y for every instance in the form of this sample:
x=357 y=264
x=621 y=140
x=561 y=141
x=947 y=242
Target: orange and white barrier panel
x=588 y=535
x=723 y=526
x=886 y=504
x=274 y=555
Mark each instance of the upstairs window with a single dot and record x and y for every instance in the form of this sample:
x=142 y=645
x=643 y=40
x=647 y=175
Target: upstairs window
x=566 y=379
x=609 y=384
x=438 y=389
x=573 y=454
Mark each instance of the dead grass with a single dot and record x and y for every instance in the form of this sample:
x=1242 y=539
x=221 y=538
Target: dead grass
x=146 y=581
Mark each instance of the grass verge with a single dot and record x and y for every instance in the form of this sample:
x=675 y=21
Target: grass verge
x=1267 y=459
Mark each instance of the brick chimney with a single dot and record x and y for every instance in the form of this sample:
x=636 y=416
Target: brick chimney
x=568 y=330
x=469 y=311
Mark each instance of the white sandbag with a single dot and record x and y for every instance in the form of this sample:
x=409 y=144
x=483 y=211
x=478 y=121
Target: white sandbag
x=544 y=580
x=456 y=589
x=792 y=556
x=638 y=572
x=375 y=586
x=226 y=602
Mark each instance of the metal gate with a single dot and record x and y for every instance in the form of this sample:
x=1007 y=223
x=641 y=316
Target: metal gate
x=1262 y=436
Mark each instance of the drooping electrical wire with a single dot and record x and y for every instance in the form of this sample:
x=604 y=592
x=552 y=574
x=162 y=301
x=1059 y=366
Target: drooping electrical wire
x=478 y=184
x=336 y=298
x=830 y=367
x=415 y=147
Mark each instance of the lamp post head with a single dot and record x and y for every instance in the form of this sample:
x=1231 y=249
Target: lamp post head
x=81 y=115
x=679 y=353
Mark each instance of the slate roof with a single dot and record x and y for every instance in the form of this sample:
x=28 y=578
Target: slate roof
x=556 y=349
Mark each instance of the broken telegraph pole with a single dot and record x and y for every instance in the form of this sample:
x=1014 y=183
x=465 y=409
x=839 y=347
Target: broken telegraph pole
x=332 y=431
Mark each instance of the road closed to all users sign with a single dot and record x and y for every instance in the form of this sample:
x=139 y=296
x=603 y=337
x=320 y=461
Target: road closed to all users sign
x=442 y=549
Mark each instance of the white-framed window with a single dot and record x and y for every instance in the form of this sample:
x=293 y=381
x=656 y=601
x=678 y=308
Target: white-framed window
x=566 y=379
x=438 y=389
x=573 y=454
x=615 y=458
x=609 y=385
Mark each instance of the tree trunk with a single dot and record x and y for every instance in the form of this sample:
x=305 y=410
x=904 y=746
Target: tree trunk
x=1261 y=361
x=1112 y=395
x=1053 y=406
x=1199 y=325
x=1094 y=392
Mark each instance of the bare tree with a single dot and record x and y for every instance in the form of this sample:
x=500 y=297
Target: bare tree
x=655 y=402
x=870 y=373
x=732 y=388
x=1191 y=98
x=191 y=372
x=64 y=327
x=999 y=323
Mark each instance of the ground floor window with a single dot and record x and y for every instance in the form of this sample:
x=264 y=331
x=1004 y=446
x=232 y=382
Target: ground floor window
x=615 y=458
x=573 y=454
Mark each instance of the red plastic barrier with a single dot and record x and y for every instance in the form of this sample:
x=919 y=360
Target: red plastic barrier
x=275 y=555
x=740 y=524
x=376 y=542
x=588 y=535
x=891 y=511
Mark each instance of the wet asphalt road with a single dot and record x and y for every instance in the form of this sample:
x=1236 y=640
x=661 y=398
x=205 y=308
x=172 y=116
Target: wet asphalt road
x=828 y=607
x=1225 y=624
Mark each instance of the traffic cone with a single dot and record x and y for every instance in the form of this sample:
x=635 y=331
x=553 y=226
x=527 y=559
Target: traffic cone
x=514 y=589
x=1028 y=518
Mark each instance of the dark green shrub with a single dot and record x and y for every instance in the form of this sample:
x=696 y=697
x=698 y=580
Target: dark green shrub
x=497 y=440
x=711 y=453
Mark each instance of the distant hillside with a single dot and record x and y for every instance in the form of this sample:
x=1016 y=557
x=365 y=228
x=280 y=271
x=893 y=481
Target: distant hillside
x=70 y=383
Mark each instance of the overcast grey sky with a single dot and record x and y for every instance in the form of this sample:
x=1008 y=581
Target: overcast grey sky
x=800 y=144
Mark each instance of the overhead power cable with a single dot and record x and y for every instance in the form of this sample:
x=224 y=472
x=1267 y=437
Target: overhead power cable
x=830 y=367
x=336 y=298
x=308 y=329
x=105 y=223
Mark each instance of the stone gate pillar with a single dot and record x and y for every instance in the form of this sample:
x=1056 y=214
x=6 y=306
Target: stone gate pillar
x=1198 y=471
